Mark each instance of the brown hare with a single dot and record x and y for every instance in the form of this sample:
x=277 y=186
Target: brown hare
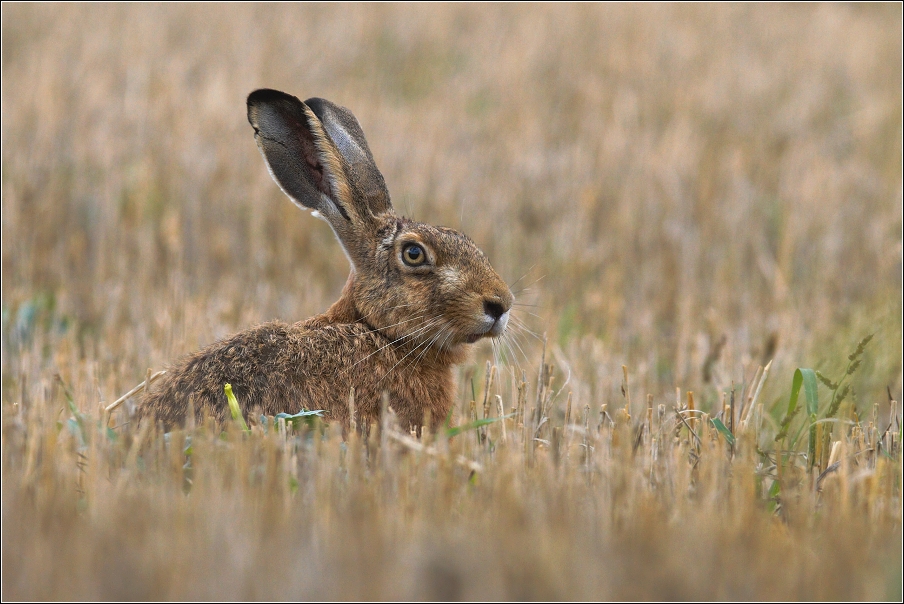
x=416 y=297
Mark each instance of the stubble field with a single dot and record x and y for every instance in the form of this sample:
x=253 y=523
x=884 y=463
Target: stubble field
x=690 y=202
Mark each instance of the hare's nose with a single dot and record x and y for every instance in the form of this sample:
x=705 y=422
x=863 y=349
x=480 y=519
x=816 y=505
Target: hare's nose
x=494 y=308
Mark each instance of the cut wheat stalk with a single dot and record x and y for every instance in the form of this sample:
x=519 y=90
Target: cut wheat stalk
x=148 y=380
x=415 y=445
x=756 y=395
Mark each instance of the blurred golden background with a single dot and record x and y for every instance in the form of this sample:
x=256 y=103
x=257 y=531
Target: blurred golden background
x=687 y=190
x=660 y=176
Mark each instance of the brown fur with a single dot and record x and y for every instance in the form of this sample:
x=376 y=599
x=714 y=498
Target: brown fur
x=396 y=328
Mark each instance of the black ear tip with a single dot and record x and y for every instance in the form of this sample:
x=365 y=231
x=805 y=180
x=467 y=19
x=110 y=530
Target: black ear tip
x=284 y=104
x=268 y=95
x=316 y=104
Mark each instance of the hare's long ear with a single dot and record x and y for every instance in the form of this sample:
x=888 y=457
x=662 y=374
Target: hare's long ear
x=317 y=154
x=345 y=132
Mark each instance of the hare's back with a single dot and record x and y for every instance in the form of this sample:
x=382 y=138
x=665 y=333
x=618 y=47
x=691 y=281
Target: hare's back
x=252 y=361
x=277 y=367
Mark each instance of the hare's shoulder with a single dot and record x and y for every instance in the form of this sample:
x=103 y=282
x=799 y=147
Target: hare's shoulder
x=343 y=342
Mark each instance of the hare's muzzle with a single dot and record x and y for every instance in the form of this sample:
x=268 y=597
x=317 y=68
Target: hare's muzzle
x=499 y=325
x=495 y=318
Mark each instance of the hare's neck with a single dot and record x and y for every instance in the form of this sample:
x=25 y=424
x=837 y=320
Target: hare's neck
x=343 y=310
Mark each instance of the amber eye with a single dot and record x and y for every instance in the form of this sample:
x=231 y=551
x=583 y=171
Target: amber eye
x=413 y=255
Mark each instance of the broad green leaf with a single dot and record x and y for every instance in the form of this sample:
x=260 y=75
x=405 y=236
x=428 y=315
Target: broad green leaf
x=810 y=390
x=299 y=418
x=807 y=379
x=723 y=430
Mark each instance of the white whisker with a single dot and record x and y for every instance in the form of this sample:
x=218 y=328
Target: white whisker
x=410 y=352
x=518 y=325
x=400 y=339
x=522 y=276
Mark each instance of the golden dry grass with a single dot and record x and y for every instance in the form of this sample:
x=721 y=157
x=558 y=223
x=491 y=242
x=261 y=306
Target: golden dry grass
x=688 y=191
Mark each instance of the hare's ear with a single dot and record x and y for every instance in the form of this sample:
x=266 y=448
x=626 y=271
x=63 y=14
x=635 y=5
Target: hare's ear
x=345 y=132
x=317 y=154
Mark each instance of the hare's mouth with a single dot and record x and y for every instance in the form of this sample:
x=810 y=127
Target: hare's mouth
x=494 y=329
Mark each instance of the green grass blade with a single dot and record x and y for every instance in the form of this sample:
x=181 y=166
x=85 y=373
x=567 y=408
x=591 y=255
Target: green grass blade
x=475 y=424
x=773 y=495
x=723 y=430
x=807 y=379
x=808 y=376
x=796 y=383
x=811 y=442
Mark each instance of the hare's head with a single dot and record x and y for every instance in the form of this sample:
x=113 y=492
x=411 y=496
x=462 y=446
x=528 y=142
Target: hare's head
x=421 y=285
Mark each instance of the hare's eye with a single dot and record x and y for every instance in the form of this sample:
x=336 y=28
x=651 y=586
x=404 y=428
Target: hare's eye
x=413 y=255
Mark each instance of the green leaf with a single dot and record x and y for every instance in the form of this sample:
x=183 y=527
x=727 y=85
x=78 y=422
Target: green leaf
x=811 y=442
x=773 y=495
x=286 y=416
x=76 y=424
x=302 y=417
x=70 y=401
x=807 y=379
x=723 y=430
x=75 y=428
x=234 y=408
x=810 y=389
x=450 y=432
x=111 y=434
x=795 y=392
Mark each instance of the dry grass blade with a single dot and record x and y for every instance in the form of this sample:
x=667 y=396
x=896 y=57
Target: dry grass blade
x=415 y=445
x=149 y=380
x=749 y=409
